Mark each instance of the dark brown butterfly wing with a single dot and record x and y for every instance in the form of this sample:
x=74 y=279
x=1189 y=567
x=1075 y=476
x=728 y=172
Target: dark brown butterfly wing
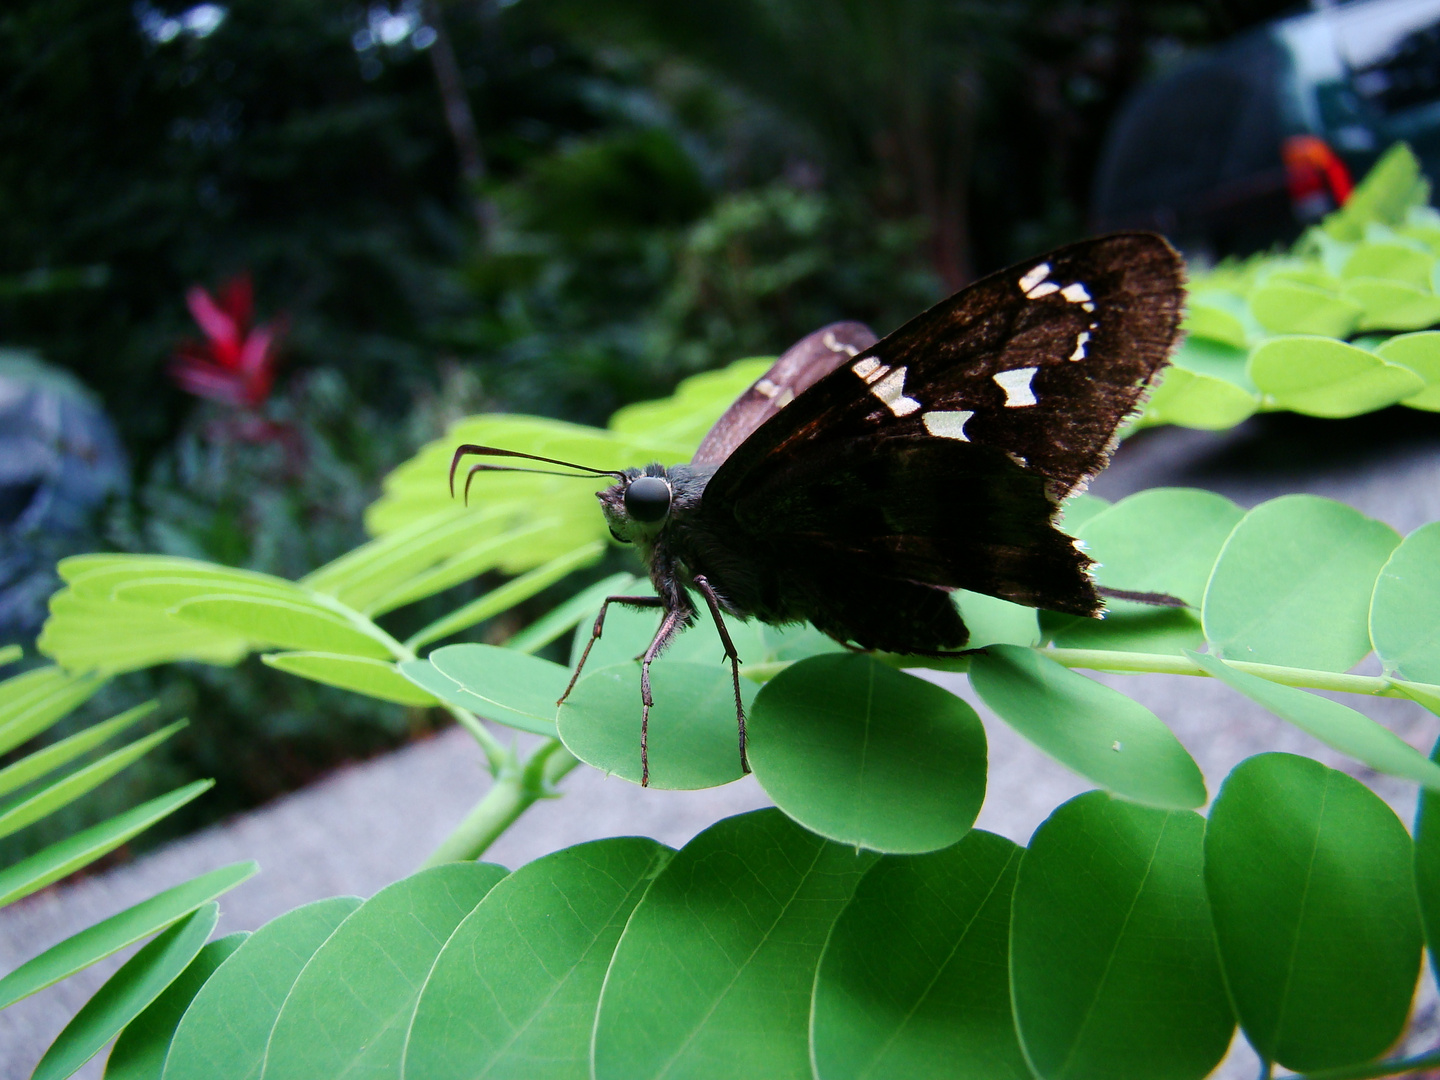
x=799 y=367
x=939 y=455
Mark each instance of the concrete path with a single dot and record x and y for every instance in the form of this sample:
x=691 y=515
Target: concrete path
x=365 y=826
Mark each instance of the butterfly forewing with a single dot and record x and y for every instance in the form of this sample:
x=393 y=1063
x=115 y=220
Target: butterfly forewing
x=1042 y=361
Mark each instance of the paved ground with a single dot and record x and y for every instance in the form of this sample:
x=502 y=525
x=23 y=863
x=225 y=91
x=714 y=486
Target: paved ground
x=368 y=825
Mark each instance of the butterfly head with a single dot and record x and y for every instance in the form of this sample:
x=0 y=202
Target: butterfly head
x=638 y=506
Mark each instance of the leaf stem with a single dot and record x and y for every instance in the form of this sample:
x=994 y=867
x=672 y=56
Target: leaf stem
x=512 y=793
x=1368 y=1069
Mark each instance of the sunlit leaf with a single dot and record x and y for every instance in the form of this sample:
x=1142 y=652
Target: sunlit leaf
x=1320 y=376
x=514 y=991
x=1112 y=957
x=1421 y=354
x=223 y=1033
x=349 y=1010
x=36 y=764
x=914 y=979
x=712 y=976
x=283 y=623
x=373 y=678
x=1313 y=895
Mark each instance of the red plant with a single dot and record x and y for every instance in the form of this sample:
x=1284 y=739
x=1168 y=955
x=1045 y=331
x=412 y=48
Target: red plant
x=235 y=364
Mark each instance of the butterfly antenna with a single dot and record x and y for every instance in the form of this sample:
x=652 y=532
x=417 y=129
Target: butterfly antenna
x=466 y=449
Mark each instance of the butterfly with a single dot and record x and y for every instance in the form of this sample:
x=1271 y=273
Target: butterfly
x=860 y=481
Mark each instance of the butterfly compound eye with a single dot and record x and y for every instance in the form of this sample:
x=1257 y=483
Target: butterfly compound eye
x=647 y=499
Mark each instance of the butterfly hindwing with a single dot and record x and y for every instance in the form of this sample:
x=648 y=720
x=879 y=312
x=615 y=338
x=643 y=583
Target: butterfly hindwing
x=798 y=368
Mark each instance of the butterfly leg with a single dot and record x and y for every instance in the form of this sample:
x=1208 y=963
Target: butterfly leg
x=673 y=622
x=708 y=591
x=627 y=601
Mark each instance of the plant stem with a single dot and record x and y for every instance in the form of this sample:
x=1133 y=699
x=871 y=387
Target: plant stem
x=500 y=759
x=1366 y=1070
x=512 y=793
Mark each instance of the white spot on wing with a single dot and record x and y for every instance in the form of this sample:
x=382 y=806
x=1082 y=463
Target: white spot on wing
x=1076 y=293
x=1034 y=277
x=891 y=390
x=1080 y=343
x=1088 y=306
x=948 y=425
x=786 y=396
x=1016 y=385
x=766 y=388
x=833 y=345
x=1045 y=288
x=865 y=368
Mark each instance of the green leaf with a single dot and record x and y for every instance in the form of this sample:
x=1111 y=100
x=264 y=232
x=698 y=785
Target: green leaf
x=1421 y=354
x=109 y=936
x=1391 y=188
x=1287 y=307
x=109 y=637
x=712 y=976
x=1337 y=726
x=1100 y=733
x=348 y=1012
x=283 y=623
x=1292 y=585
x=1319 y=376
x=139 y=1053
x=1313 y=896
x=565 y=617
x=1405 y=608
x=37 y=764
x=374 y=678
x=507 y=596
x=697 y=403
x=1210 y=315
x=127 y=994
x=1427 y=867
x=67 y=856
x=913 y=981
x=1164 y=540
x=514 y=991
x=498 y=684
x=869 y=756
x=1196 y=400
x=992 y=621
x=225 y=1030
x=1391 y=261
x=37 y=699
x=1078 y=509
x=693 y=736
x=1391 y=305
x=10 y=653
x=1112 y=957
x=62 y=792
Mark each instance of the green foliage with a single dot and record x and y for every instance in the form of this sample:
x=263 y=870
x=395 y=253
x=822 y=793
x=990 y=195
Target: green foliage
x=1262 y=332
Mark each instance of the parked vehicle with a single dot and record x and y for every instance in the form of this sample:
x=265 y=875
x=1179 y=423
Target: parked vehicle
x=1240 y=146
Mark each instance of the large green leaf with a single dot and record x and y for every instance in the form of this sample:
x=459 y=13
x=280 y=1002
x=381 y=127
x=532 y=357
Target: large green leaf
x=139 y=1053
x=349 y=1010
x=127 y=994
x=514 y=991
x=109 y=936
x=1320 y=376
x=68 y=855
x=1292 y=585
x=1313 y=895
x=713 y=973
x=374 y=678
x=864 y=754
x=1405 y=608
x=693 y=739
x=1100 y=733
x=914 y=980
x=223 y=1033
x=28 y=809
x=1112 y=957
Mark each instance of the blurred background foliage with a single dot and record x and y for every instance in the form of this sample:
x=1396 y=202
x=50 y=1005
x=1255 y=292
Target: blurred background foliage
x=545 y=206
